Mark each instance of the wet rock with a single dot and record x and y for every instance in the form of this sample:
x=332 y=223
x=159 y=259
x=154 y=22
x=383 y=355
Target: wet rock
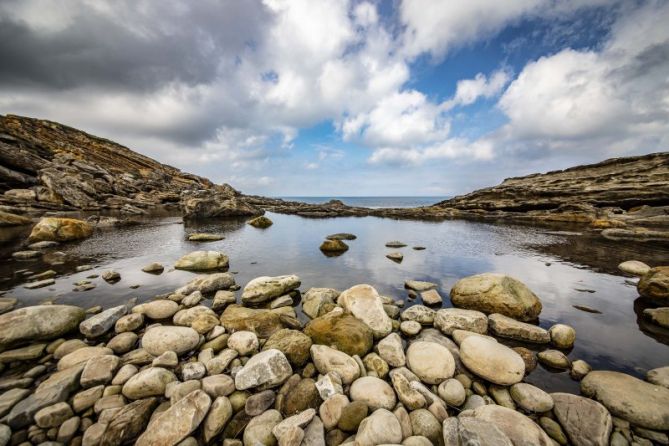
x=292 y=343
x=586 y=422
x=153 y=268
x=562 y=336
x=177 y=422
x=381 y=427
x=629 y=398
x=157 y=309
x=207 y=284
x=531 y=398
x=37 y=323
x=521 y=430
x=148 y=382
x=659 y=316
x=327 y=359
x=395 y=244
x=261 y=222
x=418 y=285
x=365 y=304
x=262 y=322
x=218 y=416
x=262 y=289
x=39 y=284
x=431 y=297
x=244 y=342
x=374 y=392
x=157 y=340
x=554 y=358
x=396 y=257
x=507 y=327
x=579 y=369
x=496 y=293
x=468 y=430
x=202 y=261
x=268 y=368
x=492 y=361
x=659 y=376
x=333 y=246
x=654 y=285
x=634 y=267
x=101 y=323
x=450 y=319
x=259 y=429
x=430 y=361
x=111 y=276
x=60 y=230
x=348 y=334
x=200 y=237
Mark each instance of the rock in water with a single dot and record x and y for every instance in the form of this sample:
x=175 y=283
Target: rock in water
x=365 y=304
x=341 y=236
x=202 y=237
x=177 y=422
x=261 y=222
x=659 y=316
x=492 y=361
x=496 y=293
x=634 y=267
x=521 y=430
x=654 y=285
x=202 y=261
x=335 y=245
x=268 y=368
x=262 y=289
x=586 y=422
x=38 y=323
x=60 y=230
x=629 y=398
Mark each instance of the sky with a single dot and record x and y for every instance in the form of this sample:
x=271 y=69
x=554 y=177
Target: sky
x=344 y=97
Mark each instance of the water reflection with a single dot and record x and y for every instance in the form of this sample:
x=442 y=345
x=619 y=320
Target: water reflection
x=557 y=266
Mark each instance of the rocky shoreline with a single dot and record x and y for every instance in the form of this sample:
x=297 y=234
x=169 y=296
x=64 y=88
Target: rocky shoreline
x=214 y=362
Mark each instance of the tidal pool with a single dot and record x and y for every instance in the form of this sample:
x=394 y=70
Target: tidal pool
x=563 y=268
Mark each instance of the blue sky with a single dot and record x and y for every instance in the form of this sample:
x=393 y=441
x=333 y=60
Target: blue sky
x=344 y=97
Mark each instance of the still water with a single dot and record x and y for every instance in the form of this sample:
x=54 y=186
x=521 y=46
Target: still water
x=562 y=268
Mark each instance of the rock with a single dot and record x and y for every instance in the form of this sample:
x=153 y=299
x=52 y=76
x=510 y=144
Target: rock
x=259 y=402
x=507 y=327
x=333 y=246
x=199 y=237
x=554 y=358
x=586 y=422
x=111 y=276
x=408 y=396
x=148 y=382
x=374 y=392
x=469 y=430
x=153 y=268
x=450 y=319
x=99 y=370
x=268 y=368
x=562 y=336
x=419 y=313
x=529 y=357
x=629 y=398
x=396 y=257
x=292 y=343
x=425 y=424
x=244 y=342
x=531 y=398
x=452 y=392
x=327 y=359
x=38 y=323
x=157 y=340
x=391 y=350
x=654 y=285
x=259 y=429
x=218 y=385
x=331 y=409
x=262 y=322
x=177 y=422
x=26 y=255
x=659 y=316
x=8 y=219
x=129 y=322
x=395 y=244
x=60 y=230
x=207 y=284
x=315 y=299
x=27 y=353
x=381 y=427
x=192 y=299
x=81 y=356
x=417 y=285
x=431 y=297
x=344 y=331
x=130 y=421
x=659 y=376
x=579 y=369
x=302 y=396
x=39 y=284
x=202 y=261
x=101 y=323
x=410 y=328
x=262 y=289
x=492 y=361
x=218 y=416
x=220 y=201
x=430 y=361
x=634 y=267
x=521 y=430
x=365 y=304
x=53 y=416
x=193 y=371
x=341 y=236
x=157 y=309
x=496 y=293
x=261 y=222
x=222 y=299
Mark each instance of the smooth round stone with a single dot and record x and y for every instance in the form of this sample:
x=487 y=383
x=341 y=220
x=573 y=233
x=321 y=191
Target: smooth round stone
x=634 y=267
x=521 y=430
x=579 y=369
x=419 y=313
x=158 y=340
x=81 y=356
x=148 y=382
x=554 y=358
x=327 y=359
x=352 y=415
x=202 y=261
x=492 y=361
x=375 y=392
x=453 y=392
x=157 y=309
x=659 y=376
x=531 y=398
x=123 y=342
x=410 y=328
x=425 y=424
x=244 y=342
x=562 y=336
x=381 y=427
x=431 y=362
x=259 y=429
x=129 y=322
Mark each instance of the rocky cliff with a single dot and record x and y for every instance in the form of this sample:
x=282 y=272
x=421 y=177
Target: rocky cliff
x=46 y=166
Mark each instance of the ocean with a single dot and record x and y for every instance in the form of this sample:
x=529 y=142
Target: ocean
x=374 y=202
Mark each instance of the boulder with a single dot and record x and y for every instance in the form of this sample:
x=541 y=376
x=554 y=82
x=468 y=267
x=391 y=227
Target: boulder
x=654 y=285
x=60 y=230
x=268 y=368
x=262 y=289
x=262 y=322
x=41 y=322
x=157 y=340
x=333 y=246
x=562 y=336
x=344 y=331
x=641 y=403
x=586 y=422
x=492 y=361
x=202 y=261
x=634 y=267
x=365 y=304
x=261 y=222
x=496 y=293
x=215 y=202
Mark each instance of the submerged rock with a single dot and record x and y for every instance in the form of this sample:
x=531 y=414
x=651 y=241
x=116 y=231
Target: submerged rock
x=60 y=230
x=203 y=237
x=396 y=257
x=496 y=293
x=37 y=323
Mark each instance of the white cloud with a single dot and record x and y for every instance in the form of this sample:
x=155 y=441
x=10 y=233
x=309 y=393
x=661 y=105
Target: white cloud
x=469 y=91
x=453 y=148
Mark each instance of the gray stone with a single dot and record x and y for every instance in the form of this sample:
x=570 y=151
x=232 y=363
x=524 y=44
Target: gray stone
x=268 y=368
x=521 y=430
x=38 y=323
x=472 y=431
x=507 y=327
x=148 y=382
x=586 y=422
x=262 y=289
x=450 y=319
x=430 y=361
x=158 y=340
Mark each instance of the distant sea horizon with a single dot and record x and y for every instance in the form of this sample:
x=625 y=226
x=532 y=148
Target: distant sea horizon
x=372 y=201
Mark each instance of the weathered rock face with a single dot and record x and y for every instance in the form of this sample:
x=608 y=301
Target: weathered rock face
x=219 y=201
x=38 y=323
x=654 y=285
x=496 y=293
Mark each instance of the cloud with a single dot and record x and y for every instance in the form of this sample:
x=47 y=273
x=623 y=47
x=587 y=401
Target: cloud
x=469 y=91
x=453 y=148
